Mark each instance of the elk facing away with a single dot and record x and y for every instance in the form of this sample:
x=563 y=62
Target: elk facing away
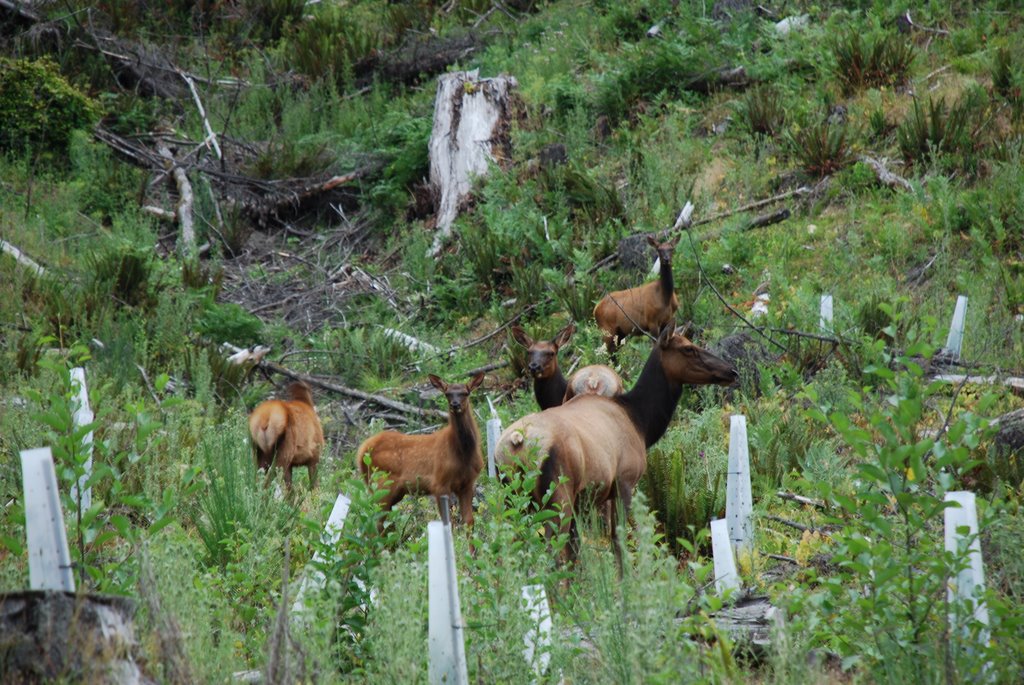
x=443 y=462
x=287 y=433
x=600 y=444
x=550 y=387
x=646 y=308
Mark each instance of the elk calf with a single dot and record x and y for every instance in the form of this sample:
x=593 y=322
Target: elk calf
x=287 y=433
x=647 y=308
x=443 y=462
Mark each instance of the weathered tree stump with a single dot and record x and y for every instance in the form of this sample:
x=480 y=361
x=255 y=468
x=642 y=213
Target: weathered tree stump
x=471 y=132
x=59 y=636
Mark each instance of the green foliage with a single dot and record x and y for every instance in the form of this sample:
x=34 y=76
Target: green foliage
x=332 y=40
x=761 y=111
x=822 y=147
x=686 y=476
x=121 y=273
x=879 y=61
x=366 y=353
x=935 y=129
x=39 y=108
x=228 y=322
x=646 y=71
x=103 y=535
x=886 y=600
x=233 y=510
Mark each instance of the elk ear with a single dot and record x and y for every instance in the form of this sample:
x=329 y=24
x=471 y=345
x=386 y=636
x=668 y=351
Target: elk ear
x=665 y=337
x=563 y=336
x=520 y=336
x=652 y=241
x=475 y=383
x=437 y=383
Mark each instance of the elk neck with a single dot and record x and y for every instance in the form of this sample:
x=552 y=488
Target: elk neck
x=550 y=391
x=652 y=401
x=464 y=434
x=666 y=282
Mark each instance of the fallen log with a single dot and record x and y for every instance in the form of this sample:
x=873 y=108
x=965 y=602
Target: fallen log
x=884 y=176
x=21 y=258
x=187 y=242
x=352 y=392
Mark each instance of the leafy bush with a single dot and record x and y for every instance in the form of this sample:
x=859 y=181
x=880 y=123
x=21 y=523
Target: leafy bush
x=882 y=61
x=228 y=322
x=934 y=129
x=822 y=148
x=39 y=108
x=761 y=111
x=686 y=476
x=886 y=602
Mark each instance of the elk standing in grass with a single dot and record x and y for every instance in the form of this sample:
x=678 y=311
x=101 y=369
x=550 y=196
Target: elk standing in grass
x=549 y=384
x=443 y=462
x=287 y=433
x=600 y=444
x=647 y=308
x=550 y=387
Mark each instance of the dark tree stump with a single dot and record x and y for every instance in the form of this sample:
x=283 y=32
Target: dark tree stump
x=50 y=636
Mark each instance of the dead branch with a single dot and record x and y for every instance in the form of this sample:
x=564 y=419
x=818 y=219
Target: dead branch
x=792 y=524
x=775 y=217
x=352 y=392
x=211 y=137
x=21 y=258
x=1014 y=383
x=884 y=176
x=187 y=244
x=277 y=644
x=20 y=12
x=800 y=499
x=160 y=213
x=802 y=190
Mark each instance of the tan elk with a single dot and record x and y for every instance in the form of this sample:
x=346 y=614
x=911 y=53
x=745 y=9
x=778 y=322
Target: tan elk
x=444 y=462
x=287 y=433
x=644 y=309
x=599 y=444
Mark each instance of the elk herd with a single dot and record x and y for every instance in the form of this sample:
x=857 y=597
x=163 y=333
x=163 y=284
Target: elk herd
x=590 y=436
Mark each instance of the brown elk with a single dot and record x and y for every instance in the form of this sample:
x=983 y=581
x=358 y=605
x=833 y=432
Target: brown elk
x=599 y=443
x=596 y=379
x=443 y=462
x=550 y=388
x=287 y=433
x=646 y=308
x=549 y=384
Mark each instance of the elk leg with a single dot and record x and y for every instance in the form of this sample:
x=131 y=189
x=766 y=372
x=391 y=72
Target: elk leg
x=311 y=469
x=288 y=477
x=619 y=498
x=393 y=497
x=466 y=506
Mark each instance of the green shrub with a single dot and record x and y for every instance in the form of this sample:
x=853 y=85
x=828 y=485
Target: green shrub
x=228 y=322
x=39 y=108
x=934 y=129
x=822 y=148
x=686 y=476
x=761 y=111
x=887 y=599
x=232 y=505
x=881 y=61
